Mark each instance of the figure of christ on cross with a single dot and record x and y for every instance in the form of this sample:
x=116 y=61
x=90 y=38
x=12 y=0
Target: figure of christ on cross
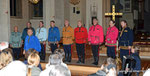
x=113 y=14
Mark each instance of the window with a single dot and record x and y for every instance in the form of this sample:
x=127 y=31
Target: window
x=36 y=10
x=16 y=8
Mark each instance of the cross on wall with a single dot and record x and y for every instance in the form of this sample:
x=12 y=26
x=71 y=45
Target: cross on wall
x=113 y=14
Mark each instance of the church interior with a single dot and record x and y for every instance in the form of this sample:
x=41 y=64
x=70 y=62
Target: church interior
x=17 y=13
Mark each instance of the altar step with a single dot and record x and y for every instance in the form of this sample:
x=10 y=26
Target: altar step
x=84 y=70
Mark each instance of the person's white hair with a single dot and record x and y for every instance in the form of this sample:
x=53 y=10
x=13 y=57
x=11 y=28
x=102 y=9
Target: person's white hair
x=110 y=61
x=3 y=45
x=147 y=73
x=54 y=59
x=60 y=70
x=56 y=67
x=60 y=52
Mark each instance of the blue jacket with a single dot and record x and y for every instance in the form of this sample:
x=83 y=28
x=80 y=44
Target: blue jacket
x=24 y=33
x=32 y=42
x=126 y=37
x=41 y=34
x=54 y=34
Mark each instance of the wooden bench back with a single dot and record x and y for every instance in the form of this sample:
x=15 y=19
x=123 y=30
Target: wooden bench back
x=79 y=69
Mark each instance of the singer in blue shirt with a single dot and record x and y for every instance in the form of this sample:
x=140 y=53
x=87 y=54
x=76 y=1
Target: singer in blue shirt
x=41 y=34
x=53 y=36
x=24 y=33
x=32 y=42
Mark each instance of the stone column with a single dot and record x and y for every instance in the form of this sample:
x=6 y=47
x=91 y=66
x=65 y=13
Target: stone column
x=100 y=11
x=87 y=14
x=105 y=20
x=4 y=20
x=48 y=15
x=48 y=12
x=59 y=15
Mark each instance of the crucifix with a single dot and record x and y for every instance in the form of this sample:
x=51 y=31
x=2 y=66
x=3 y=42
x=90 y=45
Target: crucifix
x=113 y=14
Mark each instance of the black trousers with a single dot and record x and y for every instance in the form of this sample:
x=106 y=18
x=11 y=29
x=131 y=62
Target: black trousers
x=80 y=50
x=16 y=53
x=42 y=53
x=95 y=51
x=111 y=51
x=53 y=47
x=67 y=49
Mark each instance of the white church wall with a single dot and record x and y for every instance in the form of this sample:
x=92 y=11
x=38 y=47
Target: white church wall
x=35 y=23
x=66 y=9
x=21 y=22
x=74 y=17
x=129 y=18
x=4 y=20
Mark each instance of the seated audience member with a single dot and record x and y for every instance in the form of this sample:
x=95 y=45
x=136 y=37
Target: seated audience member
x=3 y=45
x=55 y=68
x=28 y=53
x=108 y=69
x=9 y=50
x=33 y=62
x=147 y=73
x=8 y=67
x=132 y=61
x=61 y=53
x=135 y=54
x=5 y=58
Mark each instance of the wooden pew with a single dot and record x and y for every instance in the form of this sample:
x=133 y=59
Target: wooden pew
x=82 y=70
x=79 y=70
